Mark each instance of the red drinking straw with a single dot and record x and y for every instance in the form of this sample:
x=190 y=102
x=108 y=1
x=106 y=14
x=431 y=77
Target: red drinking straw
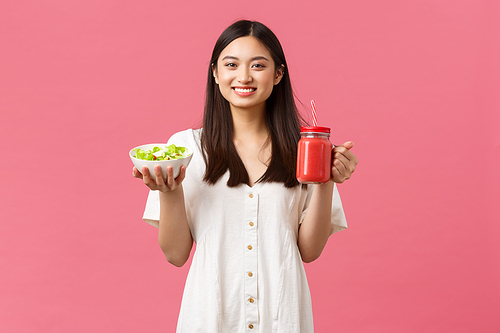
x=313 y=107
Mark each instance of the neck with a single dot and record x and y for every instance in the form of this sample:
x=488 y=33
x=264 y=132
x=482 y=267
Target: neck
x=249 y=123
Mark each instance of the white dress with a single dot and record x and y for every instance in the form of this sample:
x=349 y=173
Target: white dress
x=246 y=274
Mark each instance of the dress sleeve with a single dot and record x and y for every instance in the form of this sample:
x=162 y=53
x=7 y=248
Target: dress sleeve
x=338 y=220
x=152 y=211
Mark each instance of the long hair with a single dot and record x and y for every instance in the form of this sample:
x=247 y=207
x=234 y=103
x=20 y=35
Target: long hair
x=282 y=118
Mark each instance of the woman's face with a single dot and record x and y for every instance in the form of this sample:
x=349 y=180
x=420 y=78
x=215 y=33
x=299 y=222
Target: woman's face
x=246 y=73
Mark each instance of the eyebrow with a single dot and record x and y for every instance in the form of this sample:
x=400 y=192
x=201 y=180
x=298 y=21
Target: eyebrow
x=251 y=59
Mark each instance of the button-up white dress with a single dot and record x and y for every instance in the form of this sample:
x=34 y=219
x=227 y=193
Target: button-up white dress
x=246 y=274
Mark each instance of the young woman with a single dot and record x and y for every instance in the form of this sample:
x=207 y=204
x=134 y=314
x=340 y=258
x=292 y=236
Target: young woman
x=253 y=223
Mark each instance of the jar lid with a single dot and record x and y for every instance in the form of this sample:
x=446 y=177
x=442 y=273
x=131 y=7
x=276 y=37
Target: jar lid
x=319 y=129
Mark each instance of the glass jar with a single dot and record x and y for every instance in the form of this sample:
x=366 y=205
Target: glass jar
x=314 y=155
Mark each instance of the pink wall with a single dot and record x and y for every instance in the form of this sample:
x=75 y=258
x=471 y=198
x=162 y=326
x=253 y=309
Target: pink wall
x=415 y=84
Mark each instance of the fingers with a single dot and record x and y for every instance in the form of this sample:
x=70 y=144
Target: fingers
x=343 y=162
x=170 y=177
x=348 y=144
x=146 y=177
x=170 y=183
x=181 y=175
x=156 y=181
x=345 y=151
x=160 y=182
x=341 y=170
x=136 y=173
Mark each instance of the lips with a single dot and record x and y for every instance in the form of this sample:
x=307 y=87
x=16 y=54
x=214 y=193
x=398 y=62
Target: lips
x=244 y=91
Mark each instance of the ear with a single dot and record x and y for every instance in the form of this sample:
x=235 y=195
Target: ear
x=214 y=73
x=279 y=74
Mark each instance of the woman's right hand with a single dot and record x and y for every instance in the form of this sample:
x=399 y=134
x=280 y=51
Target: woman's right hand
x=156 y=182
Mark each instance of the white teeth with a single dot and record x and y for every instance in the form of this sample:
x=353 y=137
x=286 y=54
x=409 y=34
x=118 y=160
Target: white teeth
x=244 y=90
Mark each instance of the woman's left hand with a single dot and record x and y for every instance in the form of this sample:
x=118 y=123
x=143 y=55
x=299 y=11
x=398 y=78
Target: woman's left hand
x=343 y=162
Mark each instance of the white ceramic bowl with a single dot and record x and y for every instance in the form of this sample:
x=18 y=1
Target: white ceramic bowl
x=175 y=164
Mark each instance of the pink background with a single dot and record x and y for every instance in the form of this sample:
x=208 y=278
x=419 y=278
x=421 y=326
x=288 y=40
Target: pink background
x=415 y=84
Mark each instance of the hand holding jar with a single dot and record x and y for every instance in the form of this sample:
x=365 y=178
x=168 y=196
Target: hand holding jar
x=343 y=162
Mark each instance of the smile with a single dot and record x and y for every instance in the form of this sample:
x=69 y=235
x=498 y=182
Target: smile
x=244 y=90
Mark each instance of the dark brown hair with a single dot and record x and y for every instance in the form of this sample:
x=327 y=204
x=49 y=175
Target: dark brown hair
x=282 y=118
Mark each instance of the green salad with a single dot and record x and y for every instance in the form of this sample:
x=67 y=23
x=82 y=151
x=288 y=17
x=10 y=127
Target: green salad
x=171 y=152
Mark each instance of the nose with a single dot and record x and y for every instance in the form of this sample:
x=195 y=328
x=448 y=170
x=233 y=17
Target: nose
x=244 y=75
